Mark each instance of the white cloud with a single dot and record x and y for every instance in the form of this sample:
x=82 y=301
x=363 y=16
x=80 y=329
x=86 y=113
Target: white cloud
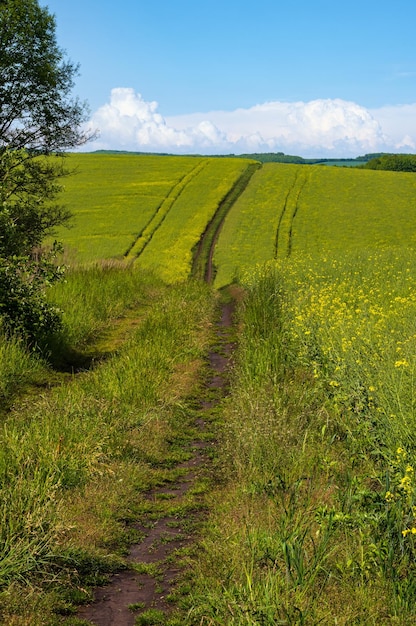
x=317 y=128
x=399 y=123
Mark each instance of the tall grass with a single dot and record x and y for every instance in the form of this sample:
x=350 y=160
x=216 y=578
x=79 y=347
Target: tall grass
x=90 y=297
x=316 y=518
x=87 y=430
x=18 y=368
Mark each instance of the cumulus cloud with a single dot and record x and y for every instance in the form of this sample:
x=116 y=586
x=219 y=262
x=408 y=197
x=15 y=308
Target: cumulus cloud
x=399 y=124
x=325 y=127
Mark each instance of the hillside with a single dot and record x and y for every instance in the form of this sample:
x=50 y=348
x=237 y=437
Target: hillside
x=222 y=431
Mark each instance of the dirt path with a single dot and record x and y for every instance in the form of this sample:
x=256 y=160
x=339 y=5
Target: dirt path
x=152 y=569
x=203 y=266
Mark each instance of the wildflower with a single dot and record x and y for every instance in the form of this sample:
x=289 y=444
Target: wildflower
x=389 y=496
x=402 y=363
x=406 y=482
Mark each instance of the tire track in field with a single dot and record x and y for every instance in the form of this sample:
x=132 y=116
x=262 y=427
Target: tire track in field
x=305 y=180
x=284 y=231
x=157 y=219
x=282 y=215
x=203 y=254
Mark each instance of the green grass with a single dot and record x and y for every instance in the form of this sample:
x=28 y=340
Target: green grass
x=19 y=368
x=74 y=460
x=313 y=516
x=94 y=296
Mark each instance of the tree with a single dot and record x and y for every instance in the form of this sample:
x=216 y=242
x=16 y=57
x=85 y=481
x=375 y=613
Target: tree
x=393 y=162
x=39 y=121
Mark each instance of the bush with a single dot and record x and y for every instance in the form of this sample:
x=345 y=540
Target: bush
x=23 y=306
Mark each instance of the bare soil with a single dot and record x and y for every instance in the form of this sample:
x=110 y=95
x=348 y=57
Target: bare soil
x=153 y=567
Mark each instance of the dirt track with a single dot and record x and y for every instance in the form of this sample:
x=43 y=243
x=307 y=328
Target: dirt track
x=166 y=535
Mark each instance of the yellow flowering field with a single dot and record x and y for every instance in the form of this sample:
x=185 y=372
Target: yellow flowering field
x=328 y=362
x=250 y=231
x=289 y=209
x=113 y=197
x=343 y=208
x=350 y=321
x=169 y=251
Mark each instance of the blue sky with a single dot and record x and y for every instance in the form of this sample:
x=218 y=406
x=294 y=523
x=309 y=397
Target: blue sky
x=224 y=75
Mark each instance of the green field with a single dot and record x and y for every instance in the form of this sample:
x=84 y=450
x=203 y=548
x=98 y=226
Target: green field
x=112 y=198
x=292 y=209
x=128 y=206
x=154 y=210
x=307 y=514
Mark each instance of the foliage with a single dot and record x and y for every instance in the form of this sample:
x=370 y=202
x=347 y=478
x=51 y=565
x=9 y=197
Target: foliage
x=23 y=307
x=37 y=119
x=280 y=157
x=37 y=112
x=394 y=162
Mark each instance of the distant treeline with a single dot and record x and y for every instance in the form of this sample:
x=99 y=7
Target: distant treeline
x=394 y=162
x=280 y=157
x=263 y=157
x=373 y=161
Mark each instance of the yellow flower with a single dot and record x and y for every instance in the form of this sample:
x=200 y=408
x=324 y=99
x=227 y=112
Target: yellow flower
x=401 y=453
x=402 y=363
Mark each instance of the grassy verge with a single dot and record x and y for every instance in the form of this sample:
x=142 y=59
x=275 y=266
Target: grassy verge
x=314 y=520
x=76 y=460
